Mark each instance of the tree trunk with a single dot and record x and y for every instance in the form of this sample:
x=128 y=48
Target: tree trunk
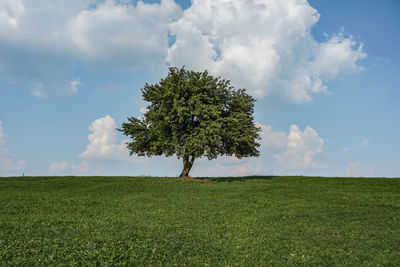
x=187 y=165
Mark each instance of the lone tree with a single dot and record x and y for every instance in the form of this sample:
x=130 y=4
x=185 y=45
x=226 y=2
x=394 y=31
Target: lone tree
x=193 y=114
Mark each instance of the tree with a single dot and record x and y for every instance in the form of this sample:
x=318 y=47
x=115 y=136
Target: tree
x=193 y=114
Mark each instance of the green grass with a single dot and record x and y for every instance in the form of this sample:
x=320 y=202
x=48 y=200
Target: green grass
x=247 y=221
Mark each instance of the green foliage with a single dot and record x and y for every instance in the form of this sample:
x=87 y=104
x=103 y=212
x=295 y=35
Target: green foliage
x=193 y=114
x=248 y=221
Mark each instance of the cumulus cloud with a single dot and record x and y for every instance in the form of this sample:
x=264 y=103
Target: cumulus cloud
x=301 y=149
x=33 y=49
x=298 y=149
x=265 y=46
x=103 y=142
x=41 y=41
x=122 y=36
x=7 y=163
x=271 y=138
x=106 y=153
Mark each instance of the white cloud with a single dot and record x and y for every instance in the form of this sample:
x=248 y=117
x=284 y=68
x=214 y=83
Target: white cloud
x=58 y=166
x=301 y=149
x=264 y=46
x=103 y=143
x=41 y=41
x=297 y=150
x=269 y=138
x=7 y=163
x=10 y=11
x=336 y=56
x=106 y=153
x=122 y=36
x=34 y=50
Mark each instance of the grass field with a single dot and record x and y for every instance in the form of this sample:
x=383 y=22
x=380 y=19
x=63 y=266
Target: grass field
x=225 y=221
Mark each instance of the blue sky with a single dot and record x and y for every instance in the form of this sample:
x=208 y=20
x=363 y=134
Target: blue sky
x=325 y=74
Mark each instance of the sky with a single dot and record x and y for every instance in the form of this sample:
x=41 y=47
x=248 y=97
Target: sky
x=325 y=74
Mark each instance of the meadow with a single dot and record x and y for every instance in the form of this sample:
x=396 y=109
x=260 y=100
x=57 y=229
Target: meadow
x=244 y=221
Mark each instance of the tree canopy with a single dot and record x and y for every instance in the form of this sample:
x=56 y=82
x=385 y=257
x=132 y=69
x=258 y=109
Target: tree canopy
x=193 y=114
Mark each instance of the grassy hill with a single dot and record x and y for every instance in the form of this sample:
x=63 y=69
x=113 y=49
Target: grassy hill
x=221 y=221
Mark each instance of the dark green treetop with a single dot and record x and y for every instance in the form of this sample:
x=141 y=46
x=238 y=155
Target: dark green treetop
x=193 y=114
